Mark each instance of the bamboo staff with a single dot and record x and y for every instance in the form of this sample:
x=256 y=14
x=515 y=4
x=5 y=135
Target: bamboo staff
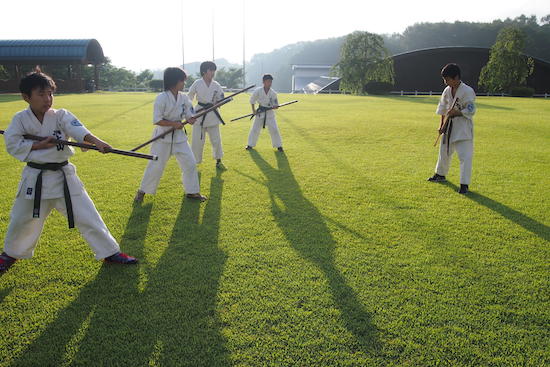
x=90 y=146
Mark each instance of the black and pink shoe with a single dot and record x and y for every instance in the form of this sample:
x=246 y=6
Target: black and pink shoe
x=5 y=262
x=121 y=258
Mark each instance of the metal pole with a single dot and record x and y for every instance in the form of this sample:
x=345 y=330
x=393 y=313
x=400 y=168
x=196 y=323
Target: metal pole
x=244 y=42
x=182 y=43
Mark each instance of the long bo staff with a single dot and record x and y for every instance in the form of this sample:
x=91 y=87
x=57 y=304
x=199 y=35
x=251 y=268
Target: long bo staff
x=263 y=110
x=89 y=146
x=202 y=112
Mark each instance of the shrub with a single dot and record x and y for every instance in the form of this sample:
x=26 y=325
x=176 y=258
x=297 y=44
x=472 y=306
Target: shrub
x=522 y=92
x=378 y=88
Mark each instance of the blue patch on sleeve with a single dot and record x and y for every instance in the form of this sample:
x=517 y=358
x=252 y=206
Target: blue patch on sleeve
x=470 y=107
x=76 y=123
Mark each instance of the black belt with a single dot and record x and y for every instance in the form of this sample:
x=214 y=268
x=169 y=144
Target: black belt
x=448 y=134
x=206 y=106
x=38 y=189
x=264 y=110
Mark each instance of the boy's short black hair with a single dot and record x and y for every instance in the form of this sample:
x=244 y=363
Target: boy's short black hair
x=451 y=71
x=172 y=76
x=36 y=80
x=267 y=77
x=207 y=65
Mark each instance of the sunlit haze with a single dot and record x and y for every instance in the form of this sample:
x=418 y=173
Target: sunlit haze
x=142 y=35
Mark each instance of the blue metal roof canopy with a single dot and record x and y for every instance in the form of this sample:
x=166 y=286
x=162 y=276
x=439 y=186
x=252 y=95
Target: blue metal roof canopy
x=66 y=51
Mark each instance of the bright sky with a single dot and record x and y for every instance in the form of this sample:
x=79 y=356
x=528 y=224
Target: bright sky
x=142 y=35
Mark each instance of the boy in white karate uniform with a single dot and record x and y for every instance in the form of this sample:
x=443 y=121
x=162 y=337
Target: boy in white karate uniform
x=267 y=98
x=208 y=92
x=458 y=103
x=171 y=107
x=49 y=181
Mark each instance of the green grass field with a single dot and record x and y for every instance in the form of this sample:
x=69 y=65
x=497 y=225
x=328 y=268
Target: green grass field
x=336 y=253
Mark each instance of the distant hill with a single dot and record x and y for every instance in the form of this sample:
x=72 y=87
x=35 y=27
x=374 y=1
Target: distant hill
x=418 y=36
x=193 y=68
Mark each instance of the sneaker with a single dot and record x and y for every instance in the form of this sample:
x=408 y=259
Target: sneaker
x=437 y=178
x=196 y=196
x=220 y=165
x=280 y=149
x=139 y=196
x=248 y=147
x=121 y=258
x=5 y=262
x=463 y=189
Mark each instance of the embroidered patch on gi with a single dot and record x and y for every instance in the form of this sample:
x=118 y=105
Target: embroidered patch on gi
x=29 y=190
x=470 y=107
x=76 y=123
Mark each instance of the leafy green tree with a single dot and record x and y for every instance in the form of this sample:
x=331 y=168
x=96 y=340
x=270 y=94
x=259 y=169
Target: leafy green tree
x=144 y=78
x=507 y=66
x=364 y=59
x=4 y=73
x=112 y=77
x=545 y=19
x=230 y=78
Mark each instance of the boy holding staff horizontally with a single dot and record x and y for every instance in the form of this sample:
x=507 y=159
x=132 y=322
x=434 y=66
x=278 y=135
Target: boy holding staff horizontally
x=49 y=181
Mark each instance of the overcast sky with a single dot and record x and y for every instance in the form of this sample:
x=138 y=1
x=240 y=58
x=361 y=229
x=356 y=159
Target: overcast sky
x=142 y=35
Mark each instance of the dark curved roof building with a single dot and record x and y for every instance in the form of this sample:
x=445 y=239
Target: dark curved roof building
x=17 y=56
x=420 y=70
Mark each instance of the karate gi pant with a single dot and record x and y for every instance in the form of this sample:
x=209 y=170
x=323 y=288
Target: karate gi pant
x=256 y=129
x=197 y=144
x=186 y=160
x=24 y=230
x=465 y=151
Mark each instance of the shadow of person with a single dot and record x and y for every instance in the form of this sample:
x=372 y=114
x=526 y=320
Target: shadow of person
x=533 y=226
x=305 y=229
x=171 y=321
x=182 y=291
x=100 y=323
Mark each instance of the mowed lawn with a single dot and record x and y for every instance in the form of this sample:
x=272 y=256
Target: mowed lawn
x=335 y=253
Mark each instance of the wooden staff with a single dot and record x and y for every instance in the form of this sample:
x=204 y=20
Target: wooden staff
x=263 y=110
x=200 y=114
x=89 y=146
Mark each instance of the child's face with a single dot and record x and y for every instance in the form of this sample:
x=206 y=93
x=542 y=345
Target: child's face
x=451 y=82
x=267 y=83
x=210 y=74
x=180 y=84
x=40 y=100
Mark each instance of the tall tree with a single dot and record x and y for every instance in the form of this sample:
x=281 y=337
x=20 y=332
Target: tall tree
x=230 y=78
x=508 y=67
x=363 y=59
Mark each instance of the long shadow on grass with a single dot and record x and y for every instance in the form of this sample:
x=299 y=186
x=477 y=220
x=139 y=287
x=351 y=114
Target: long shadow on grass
x=114 y=117
x=171 y=321
x=182 y=292
x=431 y=101
x=304 y=227
x=537 y=228
x=105 y=319
x=10 y=97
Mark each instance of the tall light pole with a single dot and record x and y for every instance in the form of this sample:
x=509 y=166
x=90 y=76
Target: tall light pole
x=244 y=43
x=182 y=43
x=212 y=34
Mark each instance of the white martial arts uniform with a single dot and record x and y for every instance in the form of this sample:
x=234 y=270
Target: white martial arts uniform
x=268 y=99
x=24 y=230
x=210 y=124
x=167 y=107
x=462 y=132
